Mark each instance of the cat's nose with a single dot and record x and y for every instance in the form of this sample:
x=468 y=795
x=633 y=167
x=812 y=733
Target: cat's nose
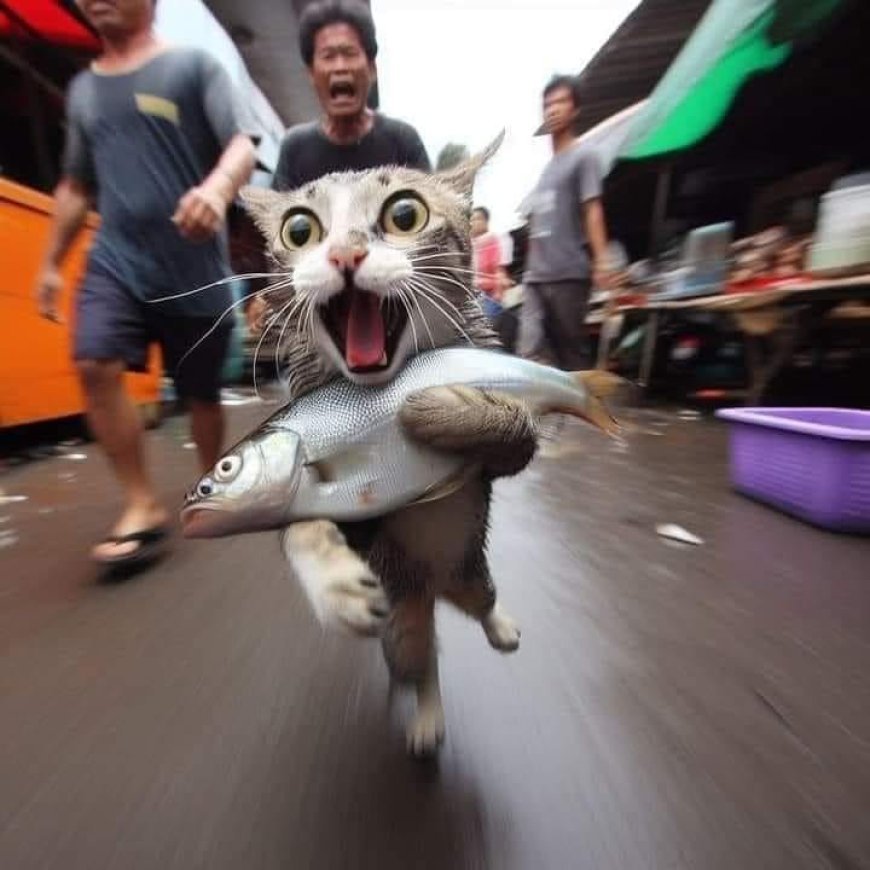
x=347 y=259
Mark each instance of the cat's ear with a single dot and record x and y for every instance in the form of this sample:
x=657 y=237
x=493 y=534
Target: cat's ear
x=461 y=177
x=265 y=206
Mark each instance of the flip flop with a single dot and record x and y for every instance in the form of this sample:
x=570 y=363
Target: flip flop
x=149 y=540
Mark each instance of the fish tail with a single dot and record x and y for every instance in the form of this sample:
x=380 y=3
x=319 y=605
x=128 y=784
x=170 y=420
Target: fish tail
x=597 y=385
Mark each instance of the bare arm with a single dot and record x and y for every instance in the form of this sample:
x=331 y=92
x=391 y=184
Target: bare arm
x=70 y=210
x=202 y=209
x=596 y=233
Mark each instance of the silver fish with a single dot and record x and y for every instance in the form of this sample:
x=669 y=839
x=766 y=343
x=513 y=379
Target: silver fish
x=340 y=452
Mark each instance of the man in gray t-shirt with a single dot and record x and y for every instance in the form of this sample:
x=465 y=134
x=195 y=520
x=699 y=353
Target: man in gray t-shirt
x=566 y=217
x=154 y=137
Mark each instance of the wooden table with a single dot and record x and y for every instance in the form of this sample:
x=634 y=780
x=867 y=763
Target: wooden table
x=780 y=314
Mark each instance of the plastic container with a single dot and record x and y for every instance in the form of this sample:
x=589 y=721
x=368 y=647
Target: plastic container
x=842 y=242
x=813 y=463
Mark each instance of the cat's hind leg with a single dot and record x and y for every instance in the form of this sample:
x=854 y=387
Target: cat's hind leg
x=473 y=592
x=341 y=587
x=411 y=656
x=425 y=733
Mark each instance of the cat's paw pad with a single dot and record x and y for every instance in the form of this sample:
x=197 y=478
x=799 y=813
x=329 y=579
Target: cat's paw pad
x=501 y=631
x=426 y=732
x=353 y=600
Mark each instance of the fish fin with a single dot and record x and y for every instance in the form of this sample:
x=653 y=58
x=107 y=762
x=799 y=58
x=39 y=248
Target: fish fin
x=598 y=384
x=447 y=487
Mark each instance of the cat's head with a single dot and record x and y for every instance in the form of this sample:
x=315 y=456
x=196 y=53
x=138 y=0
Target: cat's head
x=380 y=262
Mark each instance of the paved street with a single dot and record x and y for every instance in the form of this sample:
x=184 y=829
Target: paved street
x=670 y=706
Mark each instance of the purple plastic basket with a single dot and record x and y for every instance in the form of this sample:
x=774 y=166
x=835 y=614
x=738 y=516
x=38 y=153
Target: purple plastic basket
x=813 y=463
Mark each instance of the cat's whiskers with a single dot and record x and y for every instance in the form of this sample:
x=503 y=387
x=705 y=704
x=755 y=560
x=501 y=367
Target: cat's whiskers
x=227 y=311
x=432 y=297
x=271 y=323
x=402 y=296
x=226 y=280
x=408 y=290
x=429 y=275
x=296 y=303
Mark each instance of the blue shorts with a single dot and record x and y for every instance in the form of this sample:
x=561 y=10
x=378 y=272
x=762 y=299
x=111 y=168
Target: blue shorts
x=112 y=324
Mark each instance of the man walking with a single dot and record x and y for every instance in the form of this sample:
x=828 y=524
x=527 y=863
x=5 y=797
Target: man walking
x=153 y=133
x=566 y=216
x=339 y=46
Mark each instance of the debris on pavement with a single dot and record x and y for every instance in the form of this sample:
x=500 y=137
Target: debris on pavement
x=11 y=499
x=673 y=532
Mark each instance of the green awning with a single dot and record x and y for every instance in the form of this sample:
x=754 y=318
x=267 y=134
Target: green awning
x=735 y=40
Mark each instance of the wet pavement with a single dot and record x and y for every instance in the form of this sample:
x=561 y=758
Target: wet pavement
x=671 y=706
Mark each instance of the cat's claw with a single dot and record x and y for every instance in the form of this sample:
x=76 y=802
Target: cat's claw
x=501 y=630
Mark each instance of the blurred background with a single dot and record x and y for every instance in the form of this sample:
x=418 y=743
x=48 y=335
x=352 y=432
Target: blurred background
x=692 y=689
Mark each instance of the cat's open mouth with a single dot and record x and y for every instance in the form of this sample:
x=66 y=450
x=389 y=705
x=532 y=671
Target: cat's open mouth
x=364 y=327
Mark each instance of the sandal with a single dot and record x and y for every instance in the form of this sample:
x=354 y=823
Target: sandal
x=150 y=546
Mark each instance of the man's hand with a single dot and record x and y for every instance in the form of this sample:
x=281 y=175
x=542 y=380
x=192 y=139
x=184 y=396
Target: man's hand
x=603 y=277
x=48 y=287
x=200 y=212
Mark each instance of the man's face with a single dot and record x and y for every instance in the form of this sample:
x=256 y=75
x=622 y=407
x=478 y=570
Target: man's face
x=478 y=224
x=341 y=72
x=110 y=17
x=559 y=110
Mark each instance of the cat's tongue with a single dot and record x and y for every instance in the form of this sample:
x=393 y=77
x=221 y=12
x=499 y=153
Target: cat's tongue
x=365 y=344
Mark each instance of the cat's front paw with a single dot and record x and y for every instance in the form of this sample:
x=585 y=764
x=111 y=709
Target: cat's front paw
x=501 y=631
x=352 y=599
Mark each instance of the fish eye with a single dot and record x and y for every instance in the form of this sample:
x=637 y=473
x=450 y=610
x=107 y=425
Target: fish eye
x=205 y=489
x=227 y=469
x=300 y=229
x=404 y=213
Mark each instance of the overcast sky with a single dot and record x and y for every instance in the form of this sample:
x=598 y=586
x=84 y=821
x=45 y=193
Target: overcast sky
x=460 y=70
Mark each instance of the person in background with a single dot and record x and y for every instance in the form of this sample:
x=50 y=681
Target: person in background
x=339 y=46
x=490 y=277
x=566 y=216
x=154 y=135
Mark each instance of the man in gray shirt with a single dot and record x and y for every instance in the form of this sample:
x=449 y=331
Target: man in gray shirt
x=153 y=135
x=566 y=216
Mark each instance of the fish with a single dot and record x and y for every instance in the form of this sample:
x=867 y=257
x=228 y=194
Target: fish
x=341 y=453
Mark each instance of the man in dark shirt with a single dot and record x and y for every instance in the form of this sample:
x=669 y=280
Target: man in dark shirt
x=339 y=47
x=153 y=134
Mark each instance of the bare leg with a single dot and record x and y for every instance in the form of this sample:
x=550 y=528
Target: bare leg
x=115 y=423
x=342 y=589
x=207 y=431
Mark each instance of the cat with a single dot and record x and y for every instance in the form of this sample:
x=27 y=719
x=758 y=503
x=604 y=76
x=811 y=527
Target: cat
x=379 y=266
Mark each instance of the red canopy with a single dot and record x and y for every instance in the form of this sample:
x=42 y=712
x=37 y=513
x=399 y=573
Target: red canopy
x=49 y=19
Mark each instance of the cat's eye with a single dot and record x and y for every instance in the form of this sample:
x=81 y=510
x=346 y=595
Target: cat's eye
x=404 y=214
x=300 y=230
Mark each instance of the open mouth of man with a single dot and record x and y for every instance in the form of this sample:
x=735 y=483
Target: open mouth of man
x=364 y=327
x=342 y=90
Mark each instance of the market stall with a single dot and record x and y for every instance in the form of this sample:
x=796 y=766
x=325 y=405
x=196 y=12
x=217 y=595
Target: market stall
x=739 y=188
